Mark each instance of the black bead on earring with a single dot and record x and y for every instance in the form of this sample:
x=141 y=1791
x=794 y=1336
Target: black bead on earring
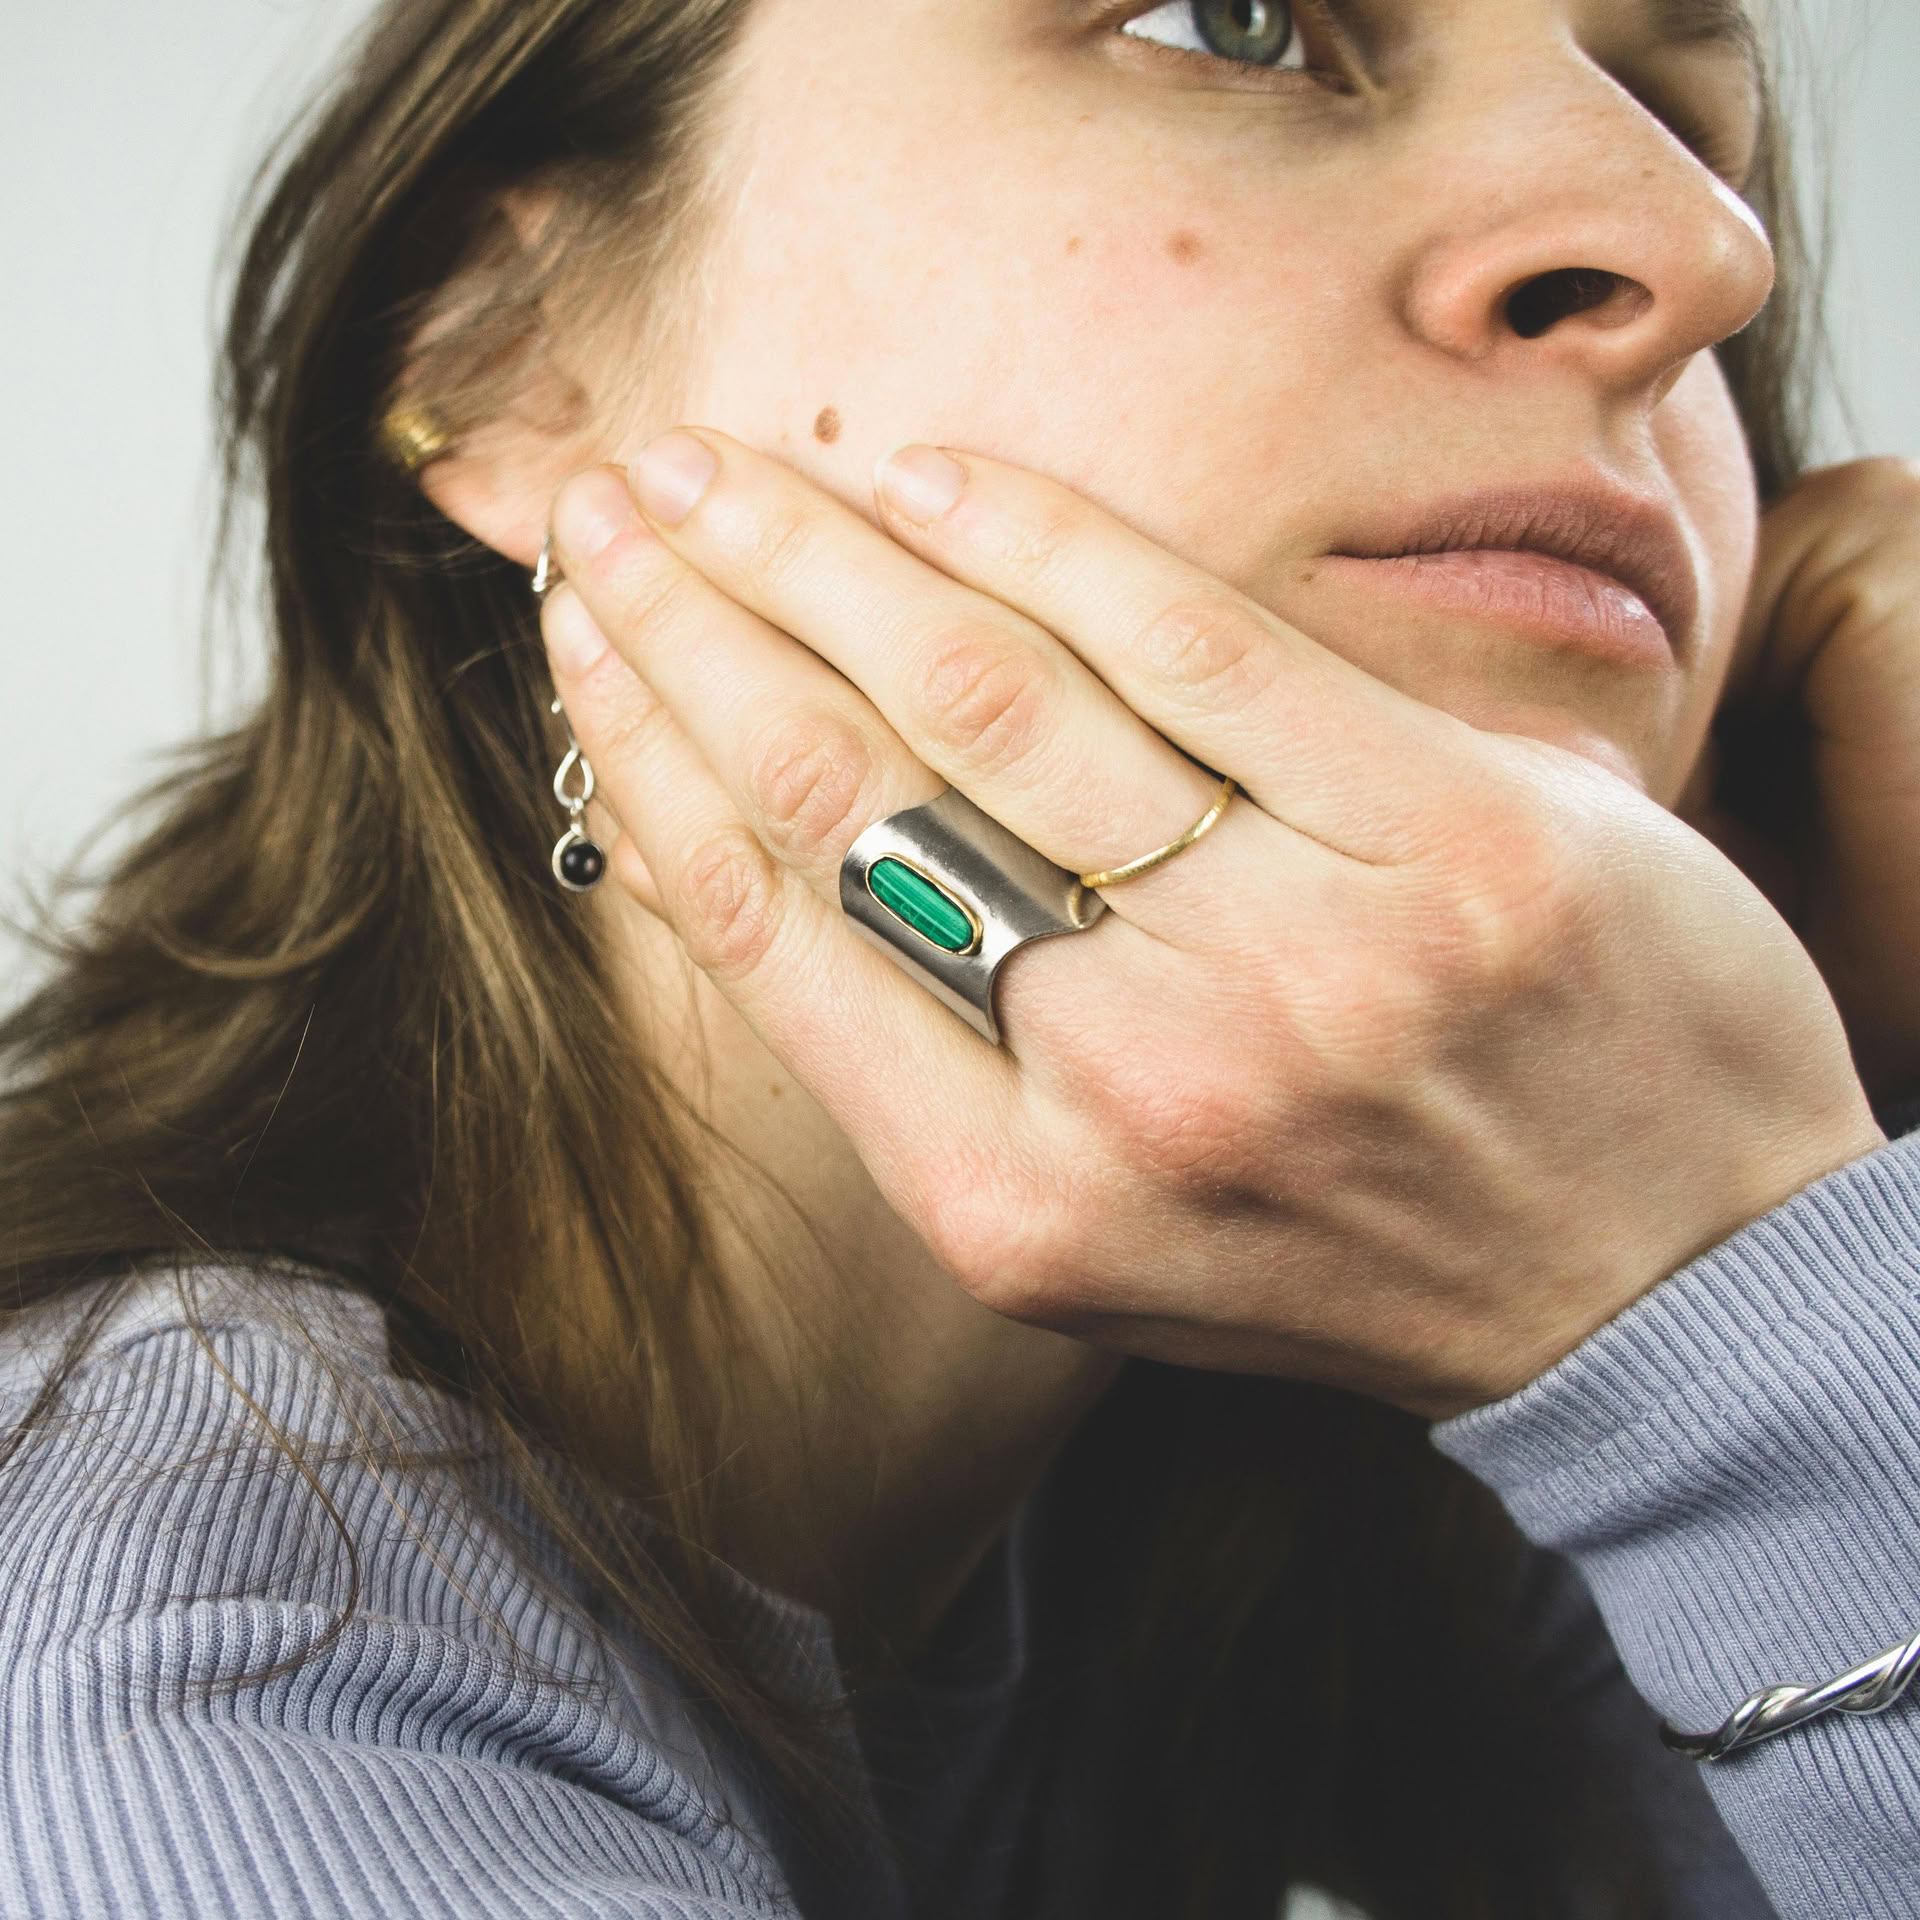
x=579 y=861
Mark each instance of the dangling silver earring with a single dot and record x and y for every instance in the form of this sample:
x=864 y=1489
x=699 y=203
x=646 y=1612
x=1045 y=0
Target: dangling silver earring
x=579 y=862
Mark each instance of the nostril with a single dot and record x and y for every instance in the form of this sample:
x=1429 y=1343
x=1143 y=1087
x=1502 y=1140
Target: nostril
x=1548 y=298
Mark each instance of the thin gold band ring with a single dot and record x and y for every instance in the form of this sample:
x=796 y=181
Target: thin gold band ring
x=1112 y=876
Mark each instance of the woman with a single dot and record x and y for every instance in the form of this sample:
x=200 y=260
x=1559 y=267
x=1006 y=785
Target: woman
x=496 y=1429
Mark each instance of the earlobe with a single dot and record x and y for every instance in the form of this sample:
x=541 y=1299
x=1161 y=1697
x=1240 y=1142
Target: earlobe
x=497 y=480
x=494 y=492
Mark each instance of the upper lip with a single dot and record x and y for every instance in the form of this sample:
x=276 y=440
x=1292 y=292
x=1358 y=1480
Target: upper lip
x=1604 y=529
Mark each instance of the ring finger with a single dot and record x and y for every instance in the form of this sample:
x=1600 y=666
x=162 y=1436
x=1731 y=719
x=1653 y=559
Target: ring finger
x=984 y=696
x=852 y=1028
x=799 y=750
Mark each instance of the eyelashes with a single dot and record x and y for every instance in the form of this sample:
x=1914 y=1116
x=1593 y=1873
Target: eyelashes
x=1716 y=146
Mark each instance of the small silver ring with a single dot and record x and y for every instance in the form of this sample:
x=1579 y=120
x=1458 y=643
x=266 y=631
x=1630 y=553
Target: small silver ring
x=546 y=575
x=947 y=893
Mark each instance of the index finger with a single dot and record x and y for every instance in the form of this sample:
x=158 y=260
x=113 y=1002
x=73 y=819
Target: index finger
x=1321 y=744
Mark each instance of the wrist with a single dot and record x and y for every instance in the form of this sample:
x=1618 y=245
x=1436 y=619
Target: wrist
x=1742 y=1441
x=1669 y=1238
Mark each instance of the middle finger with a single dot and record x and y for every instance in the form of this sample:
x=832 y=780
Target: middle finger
x=801 y=752
x=982 y=695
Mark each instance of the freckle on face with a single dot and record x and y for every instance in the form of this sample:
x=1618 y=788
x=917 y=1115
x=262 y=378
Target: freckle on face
x=1074 y=245
x=1183 y=247
x=826 y=426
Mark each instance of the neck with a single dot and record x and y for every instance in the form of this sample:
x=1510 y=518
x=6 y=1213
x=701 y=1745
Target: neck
x=885 y=1425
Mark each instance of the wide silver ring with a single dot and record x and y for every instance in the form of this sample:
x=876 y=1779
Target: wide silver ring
x=947 y=893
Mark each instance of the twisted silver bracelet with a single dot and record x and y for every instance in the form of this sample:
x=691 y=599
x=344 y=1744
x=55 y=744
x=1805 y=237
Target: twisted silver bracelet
x=1869 y=1688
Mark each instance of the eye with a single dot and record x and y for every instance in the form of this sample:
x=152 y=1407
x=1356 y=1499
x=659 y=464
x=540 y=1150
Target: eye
x=1259 y=33
x=1722 y=140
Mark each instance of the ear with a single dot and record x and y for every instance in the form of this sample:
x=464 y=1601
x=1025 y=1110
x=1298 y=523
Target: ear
x=498 y=476
x=498 y=479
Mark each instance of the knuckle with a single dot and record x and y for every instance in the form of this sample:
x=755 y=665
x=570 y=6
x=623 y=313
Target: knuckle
x=1508 y=935
x=1875 y=606
x=1874 y=553
x=963 y=1221
x=1191 y=1106
x=985 y=701
x=729 y=900
x=1006 y=1247
x=1373 y=1032
x=1464 y=966
x=1206 y=648
x=627 y=731
x=783 y=545
x=1041 y=546
x=812 y=783
x=1194 y=1132
x=652 y=600
x=1515 y=924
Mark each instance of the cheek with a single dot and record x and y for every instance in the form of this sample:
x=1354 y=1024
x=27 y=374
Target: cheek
x=872 y=289
x=1702 y=446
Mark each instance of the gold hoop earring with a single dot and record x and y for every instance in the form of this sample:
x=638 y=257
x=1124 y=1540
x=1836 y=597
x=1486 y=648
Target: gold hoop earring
x=412 y=437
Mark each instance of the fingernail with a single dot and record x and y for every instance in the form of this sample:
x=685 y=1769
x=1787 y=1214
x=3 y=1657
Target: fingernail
x=592 y=511
x=671 y=474
x=574 y=640
x=921 y=483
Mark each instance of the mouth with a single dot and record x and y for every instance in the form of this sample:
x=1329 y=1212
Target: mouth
x=1591 y=569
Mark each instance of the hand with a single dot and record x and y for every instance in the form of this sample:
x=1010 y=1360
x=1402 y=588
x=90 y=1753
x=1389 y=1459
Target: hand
x=1816 y=789
x=1441 y=1049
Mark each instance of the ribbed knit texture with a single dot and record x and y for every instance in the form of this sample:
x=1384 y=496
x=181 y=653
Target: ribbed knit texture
x=1734 y=1465
x=152 y=1546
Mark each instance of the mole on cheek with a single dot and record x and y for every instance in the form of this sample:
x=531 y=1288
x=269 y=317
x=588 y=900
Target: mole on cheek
x=826 y=427
x=1184 y=248
x=1074 y=245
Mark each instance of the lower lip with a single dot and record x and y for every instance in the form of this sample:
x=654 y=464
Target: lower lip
x=1549 y=602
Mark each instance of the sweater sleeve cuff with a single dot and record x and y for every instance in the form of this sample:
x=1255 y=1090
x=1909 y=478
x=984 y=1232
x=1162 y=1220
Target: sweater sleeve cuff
x=1734 y=1462
x=1899 y=1116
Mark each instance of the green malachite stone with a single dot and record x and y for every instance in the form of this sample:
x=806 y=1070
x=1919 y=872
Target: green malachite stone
x=930 y=911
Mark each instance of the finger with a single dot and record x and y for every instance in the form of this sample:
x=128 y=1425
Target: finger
x=1771 y=653
x=976 y=691
x=802 y=753
x=849 y=1025
x=1813 y=573
x=1320 y=743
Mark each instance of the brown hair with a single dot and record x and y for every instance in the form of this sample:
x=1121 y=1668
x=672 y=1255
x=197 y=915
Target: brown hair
x=332 y=1009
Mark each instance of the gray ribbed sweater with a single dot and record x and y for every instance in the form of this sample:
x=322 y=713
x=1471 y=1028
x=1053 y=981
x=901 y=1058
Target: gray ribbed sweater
x=1734 y=1465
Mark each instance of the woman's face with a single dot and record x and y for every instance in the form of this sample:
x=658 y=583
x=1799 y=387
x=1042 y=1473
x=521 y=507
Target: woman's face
x=1438 y=282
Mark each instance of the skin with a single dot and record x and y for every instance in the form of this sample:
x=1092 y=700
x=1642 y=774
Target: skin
x=1450 y=1041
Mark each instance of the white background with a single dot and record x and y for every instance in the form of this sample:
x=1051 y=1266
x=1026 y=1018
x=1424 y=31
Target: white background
x=126 y=129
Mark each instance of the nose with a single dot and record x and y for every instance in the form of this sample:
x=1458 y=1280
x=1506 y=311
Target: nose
x=1568 y=227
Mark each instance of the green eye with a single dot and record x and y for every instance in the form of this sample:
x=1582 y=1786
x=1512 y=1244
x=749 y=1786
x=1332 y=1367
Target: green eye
x=1258 y=33
x=1245 y=29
